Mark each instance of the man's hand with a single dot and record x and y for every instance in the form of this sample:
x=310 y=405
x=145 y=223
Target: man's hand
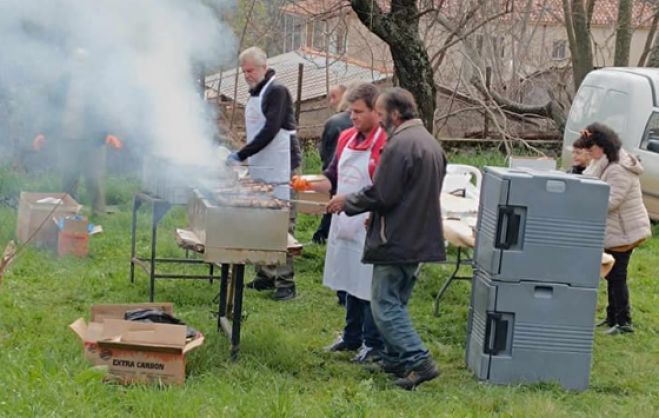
x=233 y=159
x=38 y=142
x=300 y=184
x=114 y=142
x=367 y=221
x=337 y=204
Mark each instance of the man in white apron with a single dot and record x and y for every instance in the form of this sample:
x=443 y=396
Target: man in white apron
x=272 y=153
x=351 y=170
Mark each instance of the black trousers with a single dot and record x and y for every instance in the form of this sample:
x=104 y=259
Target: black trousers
x=618 y=311
x=324 y=226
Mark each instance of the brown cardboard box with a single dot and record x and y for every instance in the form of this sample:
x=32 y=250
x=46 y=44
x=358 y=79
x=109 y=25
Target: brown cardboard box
x=34 y=217
x=311 y=202
x=73 y=237
x=135 y=352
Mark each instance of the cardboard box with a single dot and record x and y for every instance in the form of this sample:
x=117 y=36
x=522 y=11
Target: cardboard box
x=133 y=351
x=311 y=202
x=73 y=236
x=35 y=212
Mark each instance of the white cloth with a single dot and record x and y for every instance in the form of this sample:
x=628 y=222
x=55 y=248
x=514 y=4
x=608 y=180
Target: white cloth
x=273 y=163
x=344 y=269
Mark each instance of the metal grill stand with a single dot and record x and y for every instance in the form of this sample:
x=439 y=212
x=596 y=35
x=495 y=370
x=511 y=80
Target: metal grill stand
x=231 y=304
x=159 y=207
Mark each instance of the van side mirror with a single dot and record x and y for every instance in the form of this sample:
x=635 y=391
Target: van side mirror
x=653 y=145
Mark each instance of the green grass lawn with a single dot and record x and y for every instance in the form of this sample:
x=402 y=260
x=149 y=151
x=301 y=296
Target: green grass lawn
x=282 y=371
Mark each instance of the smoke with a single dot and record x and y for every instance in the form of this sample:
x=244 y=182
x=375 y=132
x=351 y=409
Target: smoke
x=124 y=67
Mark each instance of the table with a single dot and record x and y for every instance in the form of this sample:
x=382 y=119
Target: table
x=159 y=208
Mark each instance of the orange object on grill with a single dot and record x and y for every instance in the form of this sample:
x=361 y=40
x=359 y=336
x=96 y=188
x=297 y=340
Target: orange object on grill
x=300 y=184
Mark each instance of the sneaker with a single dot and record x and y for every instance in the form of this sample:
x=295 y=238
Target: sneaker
x=604 y=322
x=424 y=372
x=366 y=354
x=380 y=367
x=261 y=283
x=620 y=329
x=340 y=345
x=284 y=293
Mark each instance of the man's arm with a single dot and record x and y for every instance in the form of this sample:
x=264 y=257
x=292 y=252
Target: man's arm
x=276 y=105
x=387 y=189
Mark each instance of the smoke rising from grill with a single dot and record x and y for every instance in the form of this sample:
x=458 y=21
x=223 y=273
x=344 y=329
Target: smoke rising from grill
x=126 y=67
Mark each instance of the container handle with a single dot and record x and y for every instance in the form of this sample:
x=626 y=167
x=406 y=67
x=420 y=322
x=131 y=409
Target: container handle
x=507 y=228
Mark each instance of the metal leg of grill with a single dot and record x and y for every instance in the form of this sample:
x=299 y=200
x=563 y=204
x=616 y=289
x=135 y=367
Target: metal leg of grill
x=454 y=276
x=231 y=304
x=224 y=279
x=237 y=310
x=133 y=229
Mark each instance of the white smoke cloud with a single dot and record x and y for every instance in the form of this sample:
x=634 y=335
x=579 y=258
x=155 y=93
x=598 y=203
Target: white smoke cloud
x=136 y=75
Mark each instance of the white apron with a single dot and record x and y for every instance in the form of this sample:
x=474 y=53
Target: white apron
x=344 y=269
x=273 y=163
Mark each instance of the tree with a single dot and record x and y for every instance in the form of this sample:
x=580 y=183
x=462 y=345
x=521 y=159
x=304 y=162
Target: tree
x=623 y=34
x=577 y=25
x=399 y=28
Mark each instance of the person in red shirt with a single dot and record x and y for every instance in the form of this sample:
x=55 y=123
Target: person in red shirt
x=352 y=169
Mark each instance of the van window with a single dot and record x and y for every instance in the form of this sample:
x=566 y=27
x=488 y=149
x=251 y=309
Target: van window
x=595 y=104
x=650 y=141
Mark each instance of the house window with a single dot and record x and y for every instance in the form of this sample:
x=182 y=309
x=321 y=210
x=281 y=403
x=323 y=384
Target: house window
x=319 y=36
x=559 y=49
x=294 y=33
x=335 y=33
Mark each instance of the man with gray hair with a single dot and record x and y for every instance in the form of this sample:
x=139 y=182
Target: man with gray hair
x=272 y=152
x=404 y=230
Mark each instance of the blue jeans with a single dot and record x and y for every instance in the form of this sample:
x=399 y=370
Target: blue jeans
x=390 y=291
x=359 y=324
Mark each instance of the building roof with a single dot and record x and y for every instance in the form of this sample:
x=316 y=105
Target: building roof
x=543 y=11
x=604 y=14
x=341 y=71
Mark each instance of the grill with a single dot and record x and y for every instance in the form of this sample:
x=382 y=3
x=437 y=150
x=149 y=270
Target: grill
x=240 y=225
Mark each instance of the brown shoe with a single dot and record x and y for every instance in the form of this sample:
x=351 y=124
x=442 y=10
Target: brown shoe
x=425 y=371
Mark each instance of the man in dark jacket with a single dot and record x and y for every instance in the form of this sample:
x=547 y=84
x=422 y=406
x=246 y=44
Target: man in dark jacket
x=405 y=229
x=272 y=151
x=336 y=124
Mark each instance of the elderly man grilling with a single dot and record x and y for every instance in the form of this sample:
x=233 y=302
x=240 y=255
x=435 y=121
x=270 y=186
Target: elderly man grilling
x=272 y=153
x=405 y=230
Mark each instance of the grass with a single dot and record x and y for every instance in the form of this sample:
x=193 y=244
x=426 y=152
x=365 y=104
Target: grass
x=283 y=371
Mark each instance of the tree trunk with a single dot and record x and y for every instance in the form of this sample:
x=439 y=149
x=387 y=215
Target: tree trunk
x=400 y=30
x=653 y=58
x=623 y=34
x=581 y=48
x=647 y=48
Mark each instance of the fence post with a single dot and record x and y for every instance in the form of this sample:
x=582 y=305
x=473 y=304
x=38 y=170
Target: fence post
x=486 y=119
x=298 y=103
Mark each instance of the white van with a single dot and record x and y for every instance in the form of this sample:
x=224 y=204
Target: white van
x=626 y=100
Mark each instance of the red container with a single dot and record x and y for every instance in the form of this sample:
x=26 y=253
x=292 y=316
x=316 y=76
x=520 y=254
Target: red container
x=72 y=238
x=73 y=243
